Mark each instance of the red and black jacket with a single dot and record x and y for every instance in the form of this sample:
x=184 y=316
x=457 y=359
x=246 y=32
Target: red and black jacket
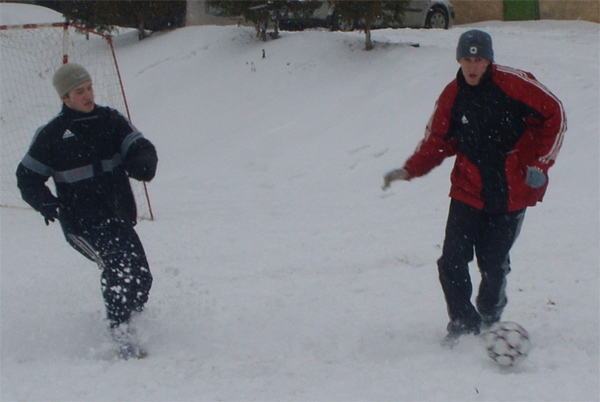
x=496 y=129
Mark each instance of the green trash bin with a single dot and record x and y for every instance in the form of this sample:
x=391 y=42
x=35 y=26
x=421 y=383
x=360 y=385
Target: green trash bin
x=521 y=10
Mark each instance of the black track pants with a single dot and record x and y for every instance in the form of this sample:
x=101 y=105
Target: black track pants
x=117 y=249
x=490 y=237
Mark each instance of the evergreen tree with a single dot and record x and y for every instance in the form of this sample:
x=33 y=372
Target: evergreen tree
x=144 y=15
x=89 y=14
x=365 y=14
x=262 y=13
x=250 y=10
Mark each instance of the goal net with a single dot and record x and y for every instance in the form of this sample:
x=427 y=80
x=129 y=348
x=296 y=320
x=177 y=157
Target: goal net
x=29 y=56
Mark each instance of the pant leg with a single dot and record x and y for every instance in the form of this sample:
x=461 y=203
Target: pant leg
x=453 y=266
x=126 y=279
x=492 y=249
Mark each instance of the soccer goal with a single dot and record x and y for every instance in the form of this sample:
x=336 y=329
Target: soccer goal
x=29 y=56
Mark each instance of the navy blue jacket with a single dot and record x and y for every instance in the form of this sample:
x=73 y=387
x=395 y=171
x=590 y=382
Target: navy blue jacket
x=90 y=157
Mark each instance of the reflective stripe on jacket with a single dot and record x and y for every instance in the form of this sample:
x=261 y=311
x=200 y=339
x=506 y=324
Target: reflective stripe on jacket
x=496 y=129
x=88 y=156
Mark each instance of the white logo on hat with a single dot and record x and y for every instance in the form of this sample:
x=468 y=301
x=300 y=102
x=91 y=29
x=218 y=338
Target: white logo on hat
x=473 y=50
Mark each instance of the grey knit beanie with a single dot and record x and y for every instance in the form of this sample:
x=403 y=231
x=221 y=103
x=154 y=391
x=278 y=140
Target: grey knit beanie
x=475 y=43
x=68 y=76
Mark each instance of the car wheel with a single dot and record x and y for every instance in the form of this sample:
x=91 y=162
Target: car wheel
x=347 y=26
x=437 y=18
x=342 y=25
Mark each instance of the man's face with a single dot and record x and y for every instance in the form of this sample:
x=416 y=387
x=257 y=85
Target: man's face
x=473 y=69
x=81 y=98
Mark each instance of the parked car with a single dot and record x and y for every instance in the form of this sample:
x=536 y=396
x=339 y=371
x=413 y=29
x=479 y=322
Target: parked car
x=418 y=14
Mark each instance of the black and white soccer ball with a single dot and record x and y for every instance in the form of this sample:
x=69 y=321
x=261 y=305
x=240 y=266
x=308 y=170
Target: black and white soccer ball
x=507 y=343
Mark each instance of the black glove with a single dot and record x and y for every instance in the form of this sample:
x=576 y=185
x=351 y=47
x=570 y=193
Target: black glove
x=49 y=211
x=141 y=168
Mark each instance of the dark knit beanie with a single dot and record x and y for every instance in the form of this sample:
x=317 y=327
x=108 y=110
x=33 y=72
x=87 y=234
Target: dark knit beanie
x=68 y=76
x=475 y=43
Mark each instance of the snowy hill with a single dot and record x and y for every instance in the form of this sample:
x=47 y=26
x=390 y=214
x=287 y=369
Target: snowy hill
x=282 y=271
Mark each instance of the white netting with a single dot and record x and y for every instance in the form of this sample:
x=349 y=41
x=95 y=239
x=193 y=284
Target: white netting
x=29 y=56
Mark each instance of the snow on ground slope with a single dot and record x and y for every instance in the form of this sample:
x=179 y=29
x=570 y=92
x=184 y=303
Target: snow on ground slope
x=282 y=271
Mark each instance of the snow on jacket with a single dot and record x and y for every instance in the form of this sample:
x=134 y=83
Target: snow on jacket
x=496 y=129
x=89 y=156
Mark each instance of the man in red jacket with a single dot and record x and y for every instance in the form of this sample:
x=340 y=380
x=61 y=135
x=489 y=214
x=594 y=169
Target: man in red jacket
x=505 y=129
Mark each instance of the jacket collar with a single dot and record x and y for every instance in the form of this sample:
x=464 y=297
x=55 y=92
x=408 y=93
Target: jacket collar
x=485 y=79
x=74 y=114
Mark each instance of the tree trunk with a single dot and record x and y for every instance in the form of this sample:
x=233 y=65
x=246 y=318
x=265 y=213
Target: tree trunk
x=141 y=31
x=369 y=43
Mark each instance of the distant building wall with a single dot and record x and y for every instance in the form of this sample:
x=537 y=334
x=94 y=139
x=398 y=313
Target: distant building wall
x=468 y=11
x=587 y=10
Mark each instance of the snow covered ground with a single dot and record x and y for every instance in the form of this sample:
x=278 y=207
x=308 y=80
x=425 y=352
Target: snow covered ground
x=282 y=271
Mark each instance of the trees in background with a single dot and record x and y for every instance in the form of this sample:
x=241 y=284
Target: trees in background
x=144 y=15
x=344 y=14
x=148 y=16
x=264 y=13
x=367 y=14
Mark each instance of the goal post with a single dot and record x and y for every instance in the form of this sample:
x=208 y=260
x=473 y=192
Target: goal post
x=29 y=55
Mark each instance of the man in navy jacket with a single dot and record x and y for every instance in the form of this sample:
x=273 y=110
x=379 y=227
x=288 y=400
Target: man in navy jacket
x=91 y=151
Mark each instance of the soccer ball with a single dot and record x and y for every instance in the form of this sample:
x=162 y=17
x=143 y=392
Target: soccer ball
x=507 y=343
